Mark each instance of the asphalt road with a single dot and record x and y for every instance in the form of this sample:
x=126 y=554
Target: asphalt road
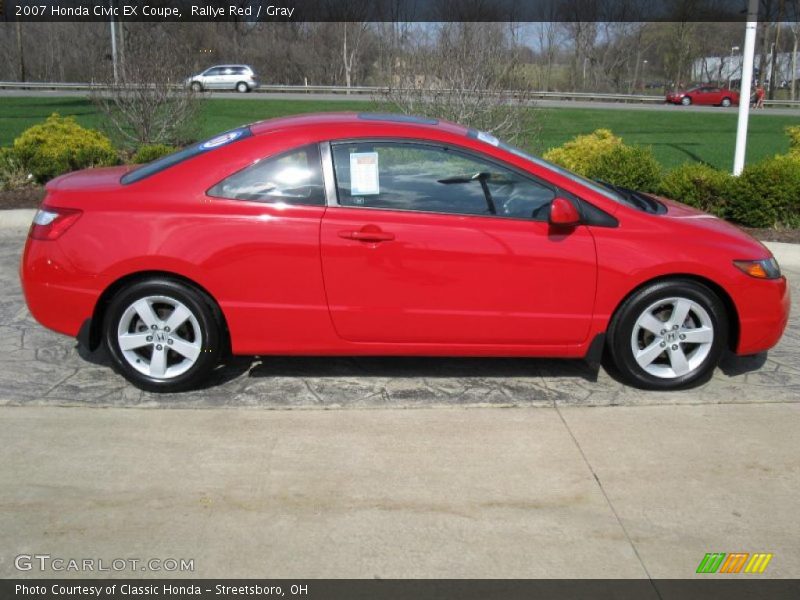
x=39 y=367
x=655 y=106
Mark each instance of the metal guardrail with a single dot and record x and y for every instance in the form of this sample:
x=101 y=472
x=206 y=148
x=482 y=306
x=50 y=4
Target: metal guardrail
x=369 y=90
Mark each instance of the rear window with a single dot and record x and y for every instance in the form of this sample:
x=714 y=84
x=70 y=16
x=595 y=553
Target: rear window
x=165 y=162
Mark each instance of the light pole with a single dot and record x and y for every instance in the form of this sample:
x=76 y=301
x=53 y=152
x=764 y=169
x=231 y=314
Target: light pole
x=113 y=42
x=730 y=65
x=747 y=80
x=644 y=73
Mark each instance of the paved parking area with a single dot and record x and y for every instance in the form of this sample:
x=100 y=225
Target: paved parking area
x=39 y=367
x=599 y=480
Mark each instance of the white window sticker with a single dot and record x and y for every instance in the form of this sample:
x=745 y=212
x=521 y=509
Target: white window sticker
x=488 y=138
x=364 y=174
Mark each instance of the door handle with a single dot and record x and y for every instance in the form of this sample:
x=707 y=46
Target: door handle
x=364 y=235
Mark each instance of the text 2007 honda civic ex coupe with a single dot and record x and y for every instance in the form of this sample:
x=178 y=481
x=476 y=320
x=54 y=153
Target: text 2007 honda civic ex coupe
x=356 y=234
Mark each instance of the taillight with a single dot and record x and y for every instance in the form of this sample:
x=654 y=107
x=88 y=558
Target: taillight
x=49 y=222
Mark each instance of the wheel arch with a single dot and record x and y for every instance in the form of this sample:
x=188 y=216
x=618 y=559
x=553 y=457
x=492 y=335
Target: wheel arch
x=92 y=332
x=722 y=294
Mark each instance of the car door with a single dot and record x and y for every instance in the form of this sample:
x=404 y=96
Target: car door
x=228 y=78
x=211 y=78
x=428 y=244
x=704 y=96
x=714 y=95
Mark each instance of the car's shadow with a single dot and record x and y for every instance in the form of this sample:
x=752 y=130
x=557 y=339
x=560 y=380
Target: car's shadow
x=423 y=367
x=402 y=366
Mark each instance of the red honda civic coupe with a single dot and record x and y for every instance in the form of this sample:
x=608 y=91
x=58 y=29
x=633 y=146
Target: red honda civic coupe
x=706 y=95
x=367 y=234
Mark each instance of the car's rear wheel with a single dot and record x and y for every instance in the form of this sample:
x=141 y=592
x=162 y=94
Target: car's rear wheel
x=197 y=86
x=242 y=87
x=669 y=335
x=726 y=102
x=686 y=101
x=163 y=335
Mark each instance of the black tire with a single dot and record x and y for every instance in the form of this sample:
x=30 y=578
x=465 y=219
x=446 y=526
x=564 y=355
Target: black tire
x=197 y=86
x=686 y=101
x=726 y=102
x=621 y=331
x=242 y=87
x=207 y=316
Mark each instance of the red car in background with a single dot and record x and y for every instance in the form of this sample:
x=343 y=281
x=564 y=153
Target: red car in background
x=365 y=234
x=705 y=95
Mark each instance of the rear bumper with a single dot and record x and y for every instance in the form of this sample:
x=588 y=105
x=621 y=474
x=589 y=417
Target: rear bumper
x=763 y=314
x=53 y=298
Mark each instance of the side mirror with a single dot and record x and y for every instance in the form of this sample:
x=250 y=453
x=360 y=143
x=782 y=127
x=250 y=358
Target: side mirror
x=563 y=213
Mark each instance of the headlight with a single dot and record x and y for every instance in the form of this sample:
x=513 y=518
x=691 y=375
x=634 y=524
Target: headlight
x=766 y=268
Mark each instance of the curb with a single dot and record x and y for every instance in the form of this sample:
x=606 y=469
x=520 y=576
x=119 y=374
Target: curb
x=788 y=255
x=16 y=218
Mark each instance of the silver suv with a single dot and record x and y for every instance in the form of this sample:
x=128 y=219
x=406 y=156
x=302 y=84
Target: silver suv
x=224 y=77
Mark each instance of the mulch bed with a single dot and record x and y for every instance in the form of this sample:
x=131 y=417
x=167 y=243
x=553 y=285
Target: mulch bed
x=25 y=197
x=31 y=196
x=791 y=236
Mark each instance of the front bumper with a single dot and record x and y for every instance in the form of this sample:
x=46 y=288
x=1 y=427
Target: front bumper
x=763 y=308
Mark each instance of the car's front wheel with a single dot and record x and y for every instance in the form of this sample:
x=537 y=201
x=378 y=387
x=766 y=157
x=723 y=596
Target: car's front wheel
x=726 y=102
x=686 y=101
x=669 y=335
x=197 y=86
x=163 y=335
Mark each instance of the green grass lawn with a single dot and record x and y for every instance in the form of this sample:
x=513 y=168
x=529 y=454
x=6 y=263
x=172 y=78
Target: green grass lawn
x=676 y=136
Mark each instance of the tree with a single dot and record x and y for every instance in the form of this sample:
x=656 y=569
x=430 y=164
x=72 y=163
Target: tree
x=149 y=102
x=469 y=73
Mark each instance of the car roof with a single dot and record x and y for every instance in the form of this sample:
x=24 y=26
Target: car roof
x=227 y=66
x=364 y=120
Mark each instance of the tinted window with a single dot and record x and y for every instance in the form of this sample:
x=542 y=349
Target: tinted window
x=294 y=177
x=419 y=177
x=212 y=72
x=592 y=185
x=189 y=152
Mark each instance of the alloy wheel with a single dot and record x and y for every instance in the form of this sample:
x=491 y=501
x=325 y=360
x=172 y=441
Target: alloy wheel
x=672 y=337
x=160 y=337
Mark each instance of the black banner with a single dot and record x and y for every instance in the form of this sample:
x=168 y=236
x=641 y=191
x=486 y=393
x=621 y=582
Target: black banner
x=397 y=589
x=389 y=10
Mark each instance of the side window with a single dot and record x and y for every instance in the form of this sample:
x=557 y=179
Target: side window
x=212 y=72
x=419 y=177
x=294 y=177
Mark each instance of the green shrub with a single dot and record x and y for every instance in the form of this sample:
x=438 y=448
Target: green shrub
x=580 y=153
x=602 y=155
x=699 y=185
x=150 y=152
x=13 y=173
x=767 y=194
x=794 y=138
x=59 y=145
x=628 y=166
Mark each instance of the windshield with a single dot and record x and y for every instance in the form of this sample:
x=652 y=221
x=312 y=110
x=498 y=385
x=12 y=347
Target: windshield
x=592 y=185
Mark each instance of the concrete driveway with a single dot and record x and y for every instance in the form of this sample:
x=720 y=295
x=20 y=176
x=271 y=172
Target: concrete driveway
x=45 y=368
x=586 y=478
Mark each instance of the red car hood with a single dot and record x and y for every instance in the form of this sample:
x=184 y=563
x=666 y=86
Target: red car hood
x=89 y=179
x=708 y=225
